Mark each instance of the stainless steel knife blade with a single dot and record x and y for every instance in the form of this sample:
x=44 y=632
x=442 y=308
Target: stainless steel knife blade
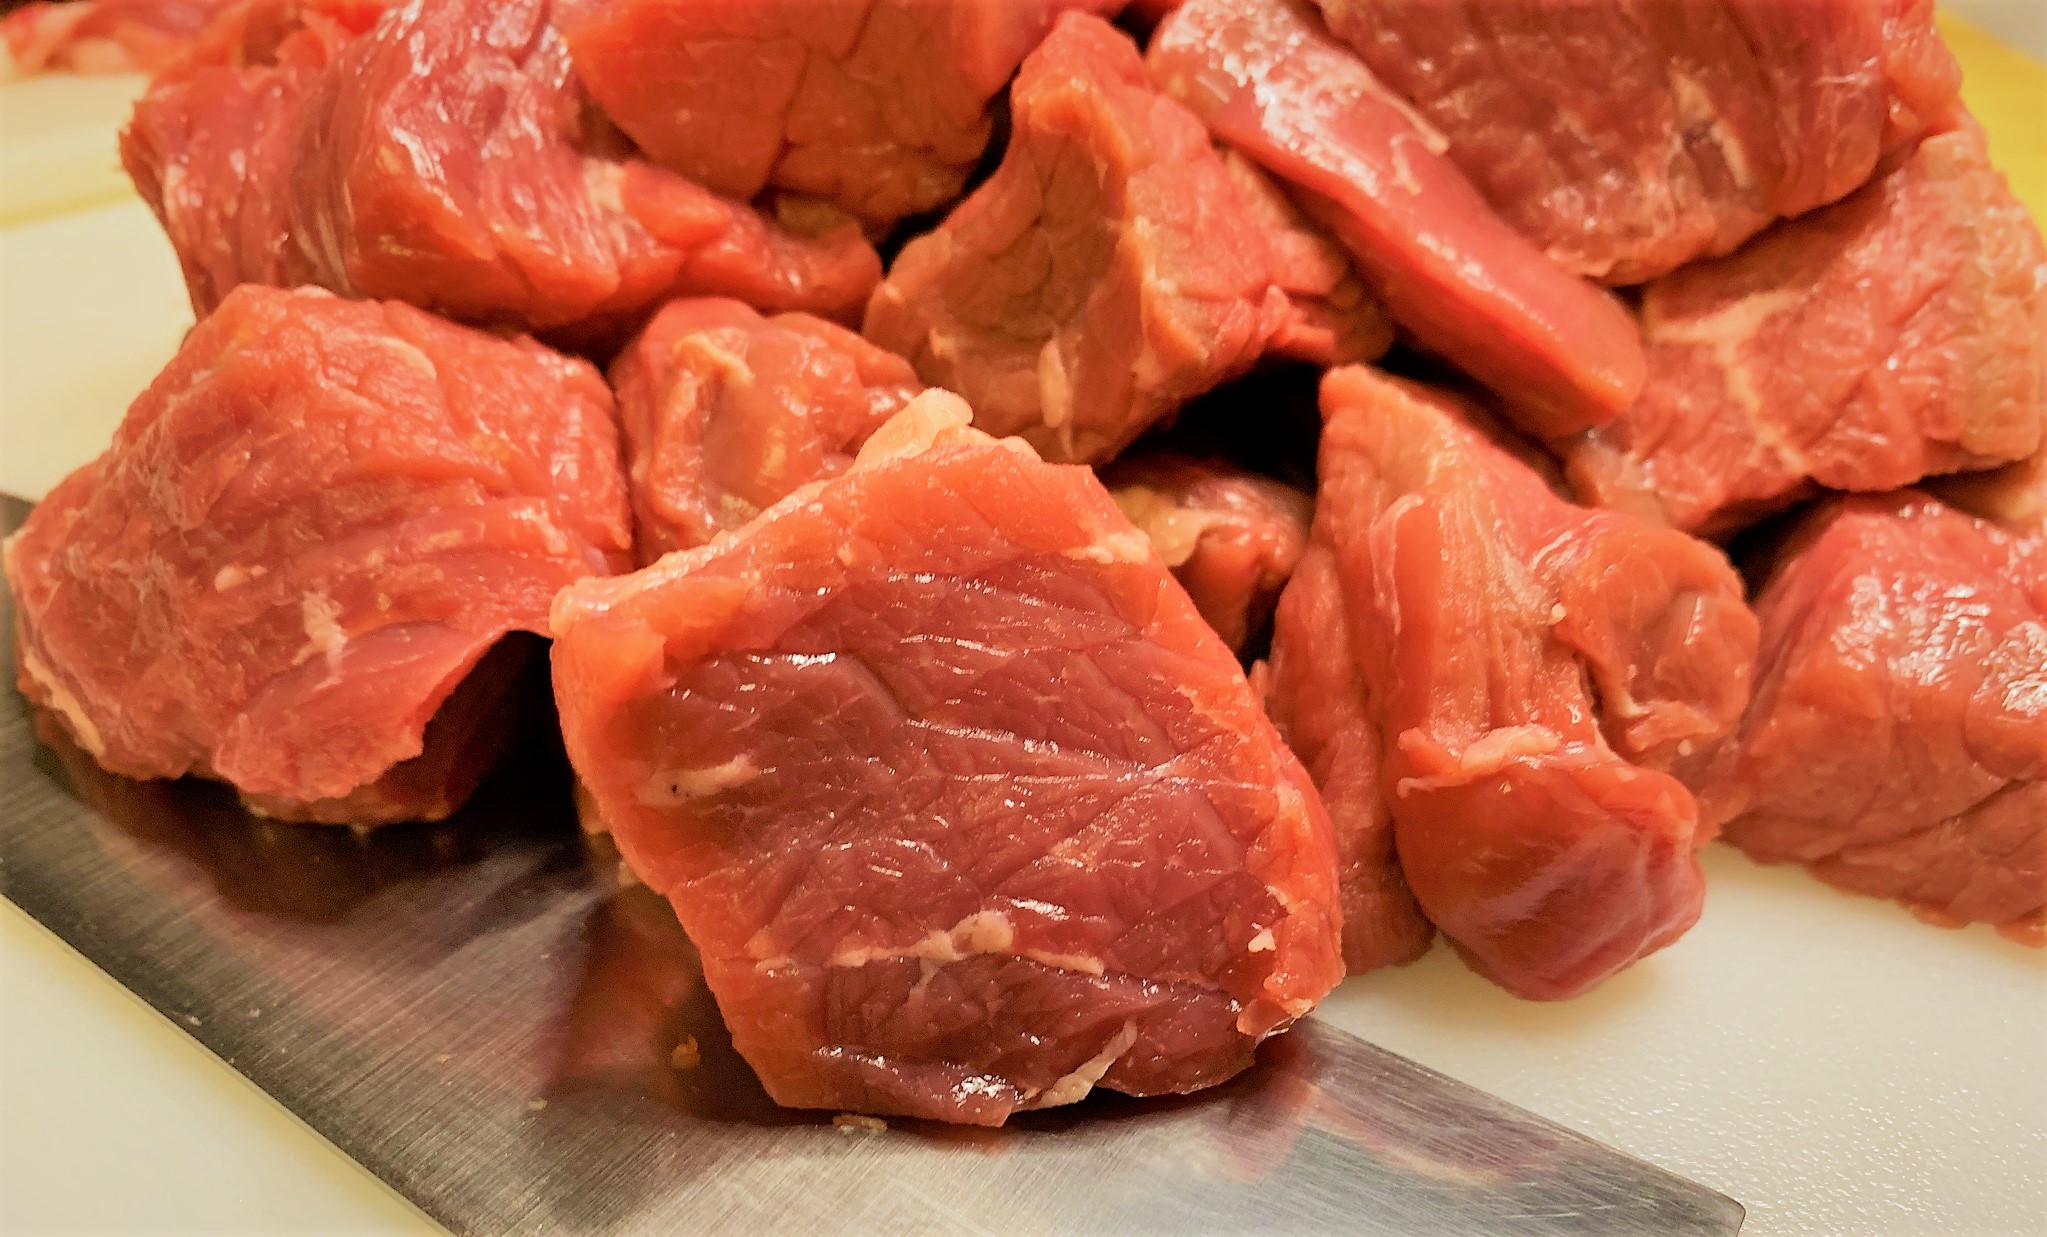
x=483 y=1016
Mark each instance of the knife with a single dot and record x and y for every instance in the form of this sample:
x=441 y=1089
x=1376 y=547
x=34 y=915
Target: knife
x=481 y=1014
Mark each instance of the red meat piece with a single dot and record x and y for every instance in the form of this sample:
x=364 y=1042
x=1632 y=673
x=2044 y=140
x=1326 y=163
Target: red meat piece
x=1896 y=334
x=1629 y=138
x=881 y=106
x=1317 y=695
x=965 y=807
x=1897 y=744
x=105 y=36
x=1538 y=672
x=1111 y=269
x=1231 y=537
x=725 y=412
x=1271 y=82
x=316 y=523
x=447 y=158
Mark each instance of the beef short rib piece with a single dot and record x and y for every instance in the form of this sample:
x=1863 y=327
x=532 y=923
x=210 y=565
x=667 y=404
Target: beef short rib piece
x=965 y=807
x=314 y=525
x=1629 y=138
x=103 y=36
x=725 y=411
x=1897 y=334
x=1897 y=744
x=448 y=158
x=1542 y=677
x=879 y=106
x=1230 y=536
x=1272 y=82
x=1113 y=267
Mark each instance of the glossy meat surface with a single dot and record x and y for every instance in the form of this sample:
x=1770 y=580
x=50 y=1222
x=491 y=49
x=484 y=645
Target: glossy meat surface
x=447 y=158
x=1630 y=137
x=1541 y=675
x=1897 y=744
x=1272 y=82
x=1231 y=537
x=725 y=411
x=1897 y=334
x=965 y=807
x=1113 y=267
x=880 y=106
x=309 y=530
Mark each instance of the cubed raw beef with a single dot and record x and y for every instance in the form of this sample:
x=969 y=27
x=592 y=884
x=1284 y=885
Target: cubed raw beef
x=725 y=412
x=448 y=158
x=881 y=106
x=1111 y=269
x=314 y=525
x=104 y=36
x=1899 y=333
x=1230 y=536
x=1271 y=81
x=1628 y=137
x=965 y=807
x=1897 y=744
x=1538 y=672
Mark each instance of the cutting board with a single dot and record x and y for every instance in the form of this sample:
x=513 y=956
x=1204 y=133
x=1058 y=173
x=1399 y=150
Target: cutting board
x=1828 y=1060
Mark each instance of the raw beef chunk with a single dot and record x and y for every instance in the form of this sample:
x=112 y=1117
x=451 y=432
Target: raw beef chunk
x=1111 y=269
x=1231 y=537
x=447 y=158
x=1627 y=138
x=104 y=36
x=725 y=412
x=1317 y=694
x=965 y=807
x=1271 y=82
x=881 y=106
x=1899 y=333
x=310 y=529
x=1897 y=744
x=1538 y=673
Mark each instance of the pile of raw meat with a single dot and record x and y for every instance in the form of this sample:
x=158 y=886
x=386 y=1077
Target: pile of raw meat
x=1679 y=475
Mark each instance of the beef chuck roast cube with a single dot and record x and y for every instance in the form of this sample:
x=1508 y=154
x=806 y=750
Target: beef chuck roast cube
x=1897 y=744
x=1542 y=677
x=966 y=808
x=1230 y=536
x=448 y=158
x=1111 y=269
x=725 y=411
x=1629 y=138
x=880 y=106
x=1897 y=334
x=1272 y=82
x=317 y=522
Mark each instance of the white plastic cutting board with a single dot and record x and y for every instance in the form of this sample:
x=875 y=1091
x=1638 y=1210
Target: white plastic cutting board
x=1829 y=1061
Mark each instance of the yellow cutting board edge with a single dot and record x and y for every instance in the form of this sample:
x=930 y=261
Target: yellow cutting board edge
x=2007 y=90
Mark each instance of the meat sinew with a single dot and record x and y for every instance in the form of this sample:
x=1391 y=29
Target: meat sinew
x=1231 y=537
x=1112 y=268
x=1897 y=334
x=725 y=411
x=310 y=529
x=1628 y=138
x=447 y=158
x=966 y=808
x=1271 y=82
x=1897 y=744
x=880 y=106
x=1541 y=675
